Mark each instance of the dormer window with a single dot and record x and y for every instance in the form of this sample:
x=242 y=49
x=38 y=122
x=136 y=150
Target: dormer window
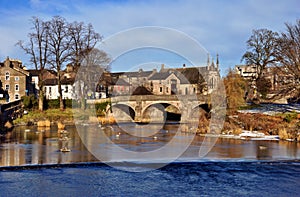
x=7 y=76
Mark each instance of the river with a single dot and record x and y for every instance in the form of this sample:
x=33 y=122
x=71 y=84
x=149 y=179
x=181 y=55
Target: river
x=33 y=165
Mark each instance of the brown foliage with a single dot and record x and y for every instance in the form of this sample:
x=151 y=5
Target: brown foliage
x=235 y=87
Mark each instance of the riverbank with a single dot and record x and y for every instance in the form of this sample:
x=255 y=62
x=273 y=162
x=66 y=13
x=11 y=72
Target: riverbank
x=285 y=125
x=52 y=117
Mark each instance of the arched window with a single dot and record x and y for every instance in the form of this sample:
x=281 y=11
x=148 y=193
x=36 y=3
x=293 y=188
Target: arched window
x=7 y=76
x=212 y=81
x=17 y=97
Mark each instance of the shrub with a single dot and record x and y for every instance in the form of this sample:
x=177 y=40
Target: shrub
x=29 y=102
x=69 y=103
x=52 y=104
x=263 y=86
x=289 y=117
x=101 y=108
x=283 y=134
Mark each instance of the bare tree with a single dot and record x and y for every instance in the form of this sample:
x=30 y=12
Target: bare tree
x=59 y=48
x=261 y=49
x=84 y=39
x=92 y=68
x=288 y=55
x=56 y=42
x=37 y=48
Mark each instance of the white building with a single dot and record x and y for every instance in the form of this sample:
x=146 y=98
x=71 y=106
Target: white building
x=51 y=88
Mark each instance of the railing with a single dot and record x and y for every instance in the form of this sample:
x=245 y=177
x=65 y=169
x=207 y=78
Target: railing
x=10 y=105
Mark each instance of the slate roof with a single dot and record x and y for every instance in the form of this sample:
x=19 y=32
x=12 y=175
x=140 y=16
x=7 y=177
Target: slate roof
x=160 y=76
x=34 y=72
x=50 y=82
x=164 y=75
x=140 y=73
x=53 y=82
x=121 y=82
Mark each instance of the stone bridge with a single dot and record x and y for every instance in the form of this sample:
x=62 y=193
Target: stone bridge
x=154 y=108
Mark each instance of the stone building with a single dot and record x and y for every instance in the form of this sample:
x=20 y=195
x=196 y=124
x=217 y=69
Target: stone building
x=15 y=79
x=167 y=81
x=185 y=80
x=46 y=74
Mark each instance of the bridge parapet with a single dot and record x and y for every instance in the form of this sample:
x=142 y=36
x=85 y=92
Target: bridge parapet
x=200 y=98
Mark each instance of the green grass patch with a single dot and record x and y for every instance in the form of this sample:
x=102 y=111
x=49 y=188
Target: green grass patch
x=248 y=107
x=50 y=114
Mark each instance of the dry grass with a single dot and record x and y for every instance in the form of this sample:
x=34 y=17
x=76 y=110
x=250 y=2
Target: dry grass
x=283 y=134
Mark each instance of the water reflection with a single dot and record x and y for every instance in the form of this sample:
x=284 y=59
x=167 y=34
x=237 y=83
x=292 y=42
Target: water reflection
x=30 y=145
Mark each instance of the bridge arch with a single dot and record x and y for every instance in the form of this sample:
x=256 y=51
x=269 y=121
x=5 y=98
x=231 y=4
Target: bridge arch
x=199 y=112
x=123 y=112
x=157 y=112
x=202 y=106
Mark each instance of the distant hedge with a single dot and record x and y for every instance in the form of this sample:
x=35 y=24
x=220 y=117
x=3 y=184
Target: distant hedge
x=30 y=102
x=54 y=103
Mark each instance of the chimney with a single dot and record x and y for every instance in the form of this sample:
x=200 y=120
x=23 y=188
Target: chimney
x=162 y=68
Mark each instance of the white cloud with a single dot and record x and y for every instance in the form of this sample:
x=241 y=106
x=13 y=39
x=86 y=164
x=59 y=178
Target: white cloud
x=220 y=26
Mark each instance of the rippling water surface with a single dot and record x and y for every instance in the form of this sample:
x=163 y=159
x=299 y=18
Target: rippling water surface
x=32 y=165
x=176 y=179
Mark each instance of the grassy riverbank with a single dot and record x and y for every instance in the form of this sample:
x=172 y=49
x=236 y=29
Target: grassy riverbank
x=52 y=115
x=67 y=116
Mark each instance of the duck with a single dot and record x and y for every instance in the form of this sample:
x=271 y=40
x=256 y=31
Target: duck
x=65 y=149
x=118 y=135
x=262 y=147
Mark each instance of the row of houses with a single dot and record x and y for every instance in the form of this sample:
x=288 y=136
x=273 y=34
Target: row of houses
x=278 y=77
x=17 y=81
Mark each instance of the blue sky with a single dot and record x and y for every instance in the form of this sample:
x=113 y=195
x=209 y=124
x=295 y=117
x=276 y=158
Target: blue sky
x=221 y=27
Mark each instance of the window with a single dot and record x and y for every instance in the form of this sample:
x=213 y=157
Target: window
x=160 y=89
x=7 y=87
x=67 y=89
x=17 y=87
x=17 y=97
x=167 y=89
x=212 y=84
x=7 y=76
x=17 y=78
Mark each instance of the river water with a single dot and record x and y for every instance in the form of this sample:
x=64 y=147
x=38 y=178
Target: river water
x=32 y=165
